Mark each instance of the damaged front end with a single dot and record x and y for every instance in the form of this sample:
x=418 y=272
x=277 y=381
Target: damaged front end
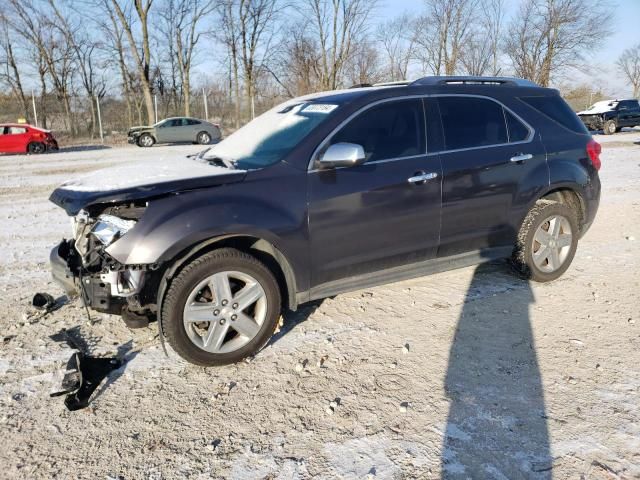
x=84 y=268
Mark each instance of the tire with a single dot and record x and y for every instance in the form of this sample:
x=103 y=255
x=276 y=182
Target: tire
x=528 y=256
x=146 y=140
x=191 y=298
x=609 y=127
x=36 y=148
x=203 y=138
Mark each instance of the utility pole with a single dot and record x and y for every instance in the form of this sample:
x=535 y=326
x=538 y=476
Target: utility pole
x=99 y=119
x=206 y=107
x=155 y=105
x=35 y=112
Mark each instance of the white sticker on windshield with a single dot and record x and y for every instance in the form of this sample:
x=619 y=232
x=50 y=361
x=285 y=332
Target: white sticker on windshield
x=319 y=108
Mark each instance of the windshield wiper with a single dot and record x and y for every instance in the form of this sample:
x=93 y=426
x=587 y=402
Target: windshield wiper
x=225 y=162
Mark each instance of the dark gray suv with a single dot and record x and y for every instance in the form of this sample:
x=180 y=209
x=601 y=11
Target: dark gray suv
x=328 y=193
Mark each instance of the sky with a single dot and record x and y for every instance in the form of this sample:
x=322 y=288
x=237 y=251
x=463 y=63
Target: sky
x=626 y=33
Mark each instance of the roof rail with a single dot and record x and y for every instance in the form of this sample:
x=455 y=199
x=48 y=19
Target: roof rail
x=472 y=80
x=397 y=83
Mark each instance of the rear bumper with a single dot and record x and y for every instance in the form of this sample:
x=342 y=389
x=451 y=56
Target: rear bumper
x=60 y=271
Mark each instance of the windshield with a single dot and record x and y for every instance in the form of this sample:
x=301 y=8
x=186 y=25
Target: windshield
x=269 y=137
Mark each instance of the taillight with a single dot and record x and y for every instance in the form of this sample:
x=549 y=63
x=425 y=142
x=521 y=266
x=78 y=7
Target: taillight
x=593 y=150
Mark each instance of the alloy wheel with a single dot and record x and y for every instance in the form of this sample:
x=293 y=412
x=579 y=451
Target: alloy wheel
x=204 y=138
x=552 y=243
x=225 y=311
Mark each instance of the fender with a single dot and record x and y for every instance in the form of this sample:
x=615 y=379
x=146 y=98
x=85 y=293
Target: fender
x=173 y=225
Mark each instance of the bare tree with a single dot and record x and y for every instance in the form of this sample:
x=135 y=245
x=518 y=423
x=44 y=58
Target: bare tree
x=54 y=53
x=442 y=32
x=397 y=40
x=629 y=65
x=85 y=52
x=10 y=74
x=547 y=36
x=230 y=37
x=184 y=18
x=363 y=65
x=334 y=25
x=481 y=52
x=140 y=53
x=300 y=64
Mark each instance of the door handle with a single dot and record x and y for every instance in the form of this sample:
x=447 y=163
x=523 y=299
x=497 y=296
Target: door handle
x=521 y=157
x=421 y=177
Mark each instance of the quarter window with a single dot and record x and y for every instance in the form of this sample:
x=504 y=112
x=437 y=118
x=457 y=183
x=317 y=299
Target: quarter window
x=470 y=122
x=392 y=129
x=518 y=132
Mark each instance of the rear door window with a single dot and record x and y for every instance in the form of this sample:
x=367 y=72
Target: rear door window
x=470 y=122
x=17 y=130
x=555 y=108
x=393 y=129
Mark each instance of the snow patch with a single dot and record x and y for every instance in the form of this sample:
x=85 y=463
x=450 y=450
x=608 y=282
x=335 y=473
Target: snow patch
x=143 y=173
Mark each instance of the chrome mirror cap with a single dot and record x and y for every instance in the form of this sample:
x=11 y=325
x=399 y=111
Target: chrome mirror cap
x=342 y=155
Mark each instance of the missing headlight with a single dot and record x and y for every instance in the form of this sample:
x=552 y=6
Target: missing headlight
x=109 y=228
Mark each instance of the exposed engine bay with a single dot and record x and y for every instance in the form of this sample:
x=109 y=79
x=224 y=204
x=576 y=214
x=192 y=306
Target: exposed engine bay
x=84 y=267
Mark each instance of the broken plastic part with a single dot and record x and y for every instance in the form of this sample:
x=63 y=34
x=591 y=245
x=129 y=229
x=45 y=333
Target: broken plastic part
x=84 y=374
x=43 y=301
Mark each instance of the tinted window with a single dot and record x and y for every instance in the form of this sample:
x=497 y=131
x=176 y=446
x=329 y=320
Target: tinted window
x=557 y=109
x=390 y=130
x=190 y=121
x=471 y=122
x=518 y=132
x=628 y=105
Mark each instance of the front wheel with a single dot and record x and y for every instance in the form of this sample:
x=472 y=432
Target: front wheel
x=609 y=127
x=547 y=241
x=221 y=308
x=146 y=140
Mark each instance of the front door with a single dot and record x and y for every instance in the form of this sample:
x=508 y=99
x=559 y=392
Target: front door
x=488 y=155
x=628 y=113
x=383 y=213
x=169 y=130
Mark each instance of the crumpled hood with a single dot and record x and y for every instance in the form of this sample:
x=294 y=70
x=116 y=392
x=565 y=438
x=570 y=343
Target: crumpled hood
x=599 y=108
x=140 y=180
x=138 y=128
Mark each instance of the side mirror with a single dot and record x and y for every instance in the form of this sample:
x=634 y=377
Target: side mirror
x=342 y=155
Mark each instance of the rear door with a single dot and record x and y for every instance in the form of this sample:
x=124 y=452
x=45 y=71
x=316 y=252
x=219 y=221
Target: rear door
x=16 y=139
x=374 y=216
x=489 y=154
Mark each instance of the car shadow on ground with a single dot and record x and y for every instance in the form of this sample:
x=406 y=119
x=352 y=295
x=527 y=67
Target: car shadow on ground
x=293 y=319
x=496 y=426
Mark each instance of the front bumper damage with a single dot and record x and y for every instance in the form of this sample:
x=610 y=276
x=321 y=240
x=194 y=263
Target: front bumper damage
x=592 y=122
x=84 y=269
x=114 y=289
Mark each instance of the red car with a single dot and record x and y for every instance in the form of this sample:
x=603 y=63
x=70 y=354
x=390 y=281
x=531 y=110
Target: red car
x=23 y=138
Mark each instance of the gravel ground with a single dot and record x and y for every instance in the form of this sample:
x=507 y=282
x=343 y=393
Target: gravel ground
x=470 y=373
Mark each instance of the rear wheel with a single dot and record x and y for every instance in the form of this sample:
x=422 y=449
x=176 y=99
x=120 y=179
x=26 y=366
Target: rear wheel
x=609 y=127
x=221 y=308
x=36 y=147
x=547 y=241
x=146 y=140
x=204 y=138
